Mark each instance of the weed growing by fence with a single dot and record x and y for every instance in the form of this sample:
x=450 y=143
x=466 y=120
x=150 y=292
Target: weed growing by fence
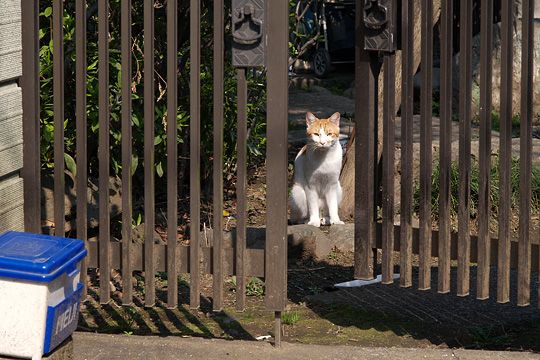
x=290 y=317
x=255 y=287
x=489 y=336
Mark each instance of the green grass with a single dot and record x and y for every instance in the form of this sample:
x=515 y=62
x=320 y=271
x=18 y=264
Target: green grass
x=496 y=122
x=489 y=337
x=475 y=188
x=255 y=287
x=290 y=317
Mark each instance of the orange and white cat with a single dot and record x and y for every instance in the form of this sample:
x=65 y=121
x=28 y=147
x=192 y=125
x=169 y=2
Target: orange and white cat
x=316 y=190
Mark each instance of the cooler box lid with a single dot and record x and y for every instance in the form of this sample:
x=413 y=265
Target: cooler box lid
x=40 y=258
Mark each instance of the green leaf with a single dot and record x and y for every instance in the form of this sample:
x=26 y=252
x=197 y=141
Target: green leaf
x=47 y=12
x=159 y=169
x=119 y=80
x=135 y=120
x=138 y=220
x=134 y=164
x=93 y=65
x=70 y=164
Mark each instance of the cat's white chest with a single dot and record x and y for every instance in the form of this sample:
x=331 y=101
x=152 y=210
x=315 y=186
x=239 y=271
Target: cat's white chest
x=322 y=169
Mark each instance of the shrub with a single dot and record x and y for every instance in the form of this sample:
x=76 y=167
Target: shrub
x=256 y=82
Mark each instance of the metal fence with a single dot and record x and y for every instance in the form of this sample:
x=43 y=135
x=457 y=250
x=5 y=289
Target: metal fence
x=271 y=263
x=504 y=252
x=125 y=255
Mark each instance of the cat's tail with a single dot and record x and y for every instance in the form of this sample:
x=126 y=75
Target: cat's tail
x=298 y=203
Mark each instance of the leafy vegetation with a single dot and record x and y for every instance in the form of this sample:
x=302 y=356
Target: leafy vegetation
x=256 y=82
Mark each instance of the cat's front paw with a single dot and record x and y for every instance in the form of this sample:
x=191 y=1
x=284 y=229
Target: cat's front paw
x=315 y=222
x=336 y=222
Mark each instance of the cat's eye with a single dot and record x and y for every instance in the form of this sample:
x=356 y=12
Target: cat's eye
x=316 y=134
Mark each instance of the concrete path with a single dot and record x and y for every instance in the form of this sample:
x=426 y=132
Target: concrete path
x=98 y=346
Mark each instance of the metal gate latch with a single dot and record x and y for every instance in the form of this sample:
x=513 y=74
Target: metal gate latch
x=248 y=33
x=380 y=24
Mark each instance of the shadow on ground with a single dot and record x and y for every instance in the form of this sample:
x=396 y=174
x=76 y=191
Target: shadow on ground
x=373 y=315
x=137 y=319
x=442 y=319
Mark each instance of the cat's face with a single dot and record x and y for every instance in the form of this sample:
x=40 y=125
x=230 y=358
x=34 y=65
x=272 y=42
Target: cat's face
x=322 y=133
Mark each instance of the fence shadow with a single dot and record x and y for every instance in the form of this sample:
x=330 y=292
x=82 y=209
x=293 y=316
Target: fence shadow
x=426 y=316
x=114 y=318
x=441 y=319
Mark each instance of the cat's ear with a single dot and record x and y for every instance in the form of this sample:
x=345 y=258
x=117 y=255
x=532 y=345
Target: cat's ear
x=334 y=119
x=310 y=118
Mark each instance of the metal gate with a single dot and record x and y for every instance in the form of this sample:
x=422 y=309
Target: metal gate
x=173 y=258
x=384 y=39
x=378 y=50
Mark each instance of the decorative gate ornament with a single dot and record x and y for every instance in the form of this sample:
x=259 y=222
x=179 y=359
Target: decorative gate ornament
x=380 y=24
x=248 y=30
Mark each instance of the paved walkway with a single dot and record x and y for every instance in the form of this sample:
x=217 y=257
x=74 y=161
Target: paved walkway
x=98 y=346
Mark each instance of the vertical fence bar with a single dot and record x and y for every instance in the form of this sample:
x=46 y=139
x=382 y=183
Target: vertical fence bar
x=58 y=100
x=424 y=281
x=195 y=155
x=103 y=152
x=277 y=329
x=31 y=127
x=365 y=118
x=505 y=154
x=218 y=154
x=465 y=75
x=81 y=129
x=127 y=210
x=149 y=123
x=276 y=196
x=407 y=33
x=172 y=153
x=81 y=126
x=445 y=154
x=241 y=191
x=525 y=154
x=484 y=213
x=388 y=169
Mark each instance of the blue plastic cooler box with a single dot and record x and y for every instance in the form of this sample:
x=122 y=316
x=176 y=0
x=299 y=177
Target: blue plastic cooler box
x=40 y=292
